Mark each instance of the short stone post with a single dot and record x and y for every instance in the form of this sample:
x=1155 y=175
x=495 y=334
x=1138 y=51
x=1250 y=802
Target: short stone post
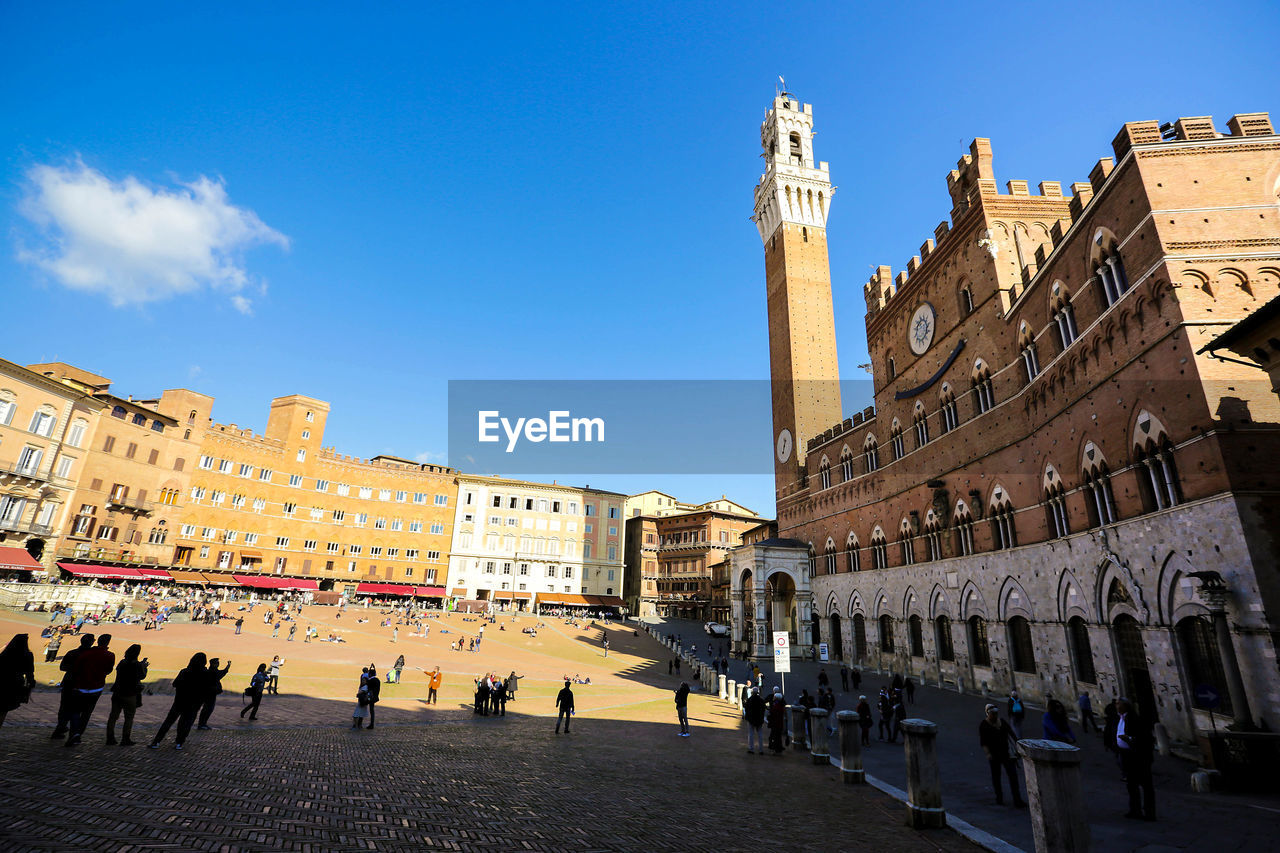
x=724 y=688
x=1059 y=816
x=818 y=736
x=797 y=715
x=924 y=784
x=850 y=748
x=733 y=690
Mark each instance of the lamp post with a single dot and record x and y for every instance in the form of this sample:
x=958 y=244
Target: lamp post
x=1213 y=591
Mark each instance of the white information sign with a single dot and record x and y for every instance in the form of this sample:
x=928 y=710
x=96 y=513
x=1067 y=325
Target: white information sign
x=822 y=652
x=781 y=652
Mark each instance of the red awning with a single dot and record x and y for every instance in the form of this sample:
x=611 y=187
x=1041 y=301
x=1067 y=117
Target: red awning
x=18 y=558
x=383 y=589
x=303 y=583
x=158 y=574
x=548 y=598
x=606 y=600
x=264 y=581
x=429 y=592
x=215 y=579
x=88 y=570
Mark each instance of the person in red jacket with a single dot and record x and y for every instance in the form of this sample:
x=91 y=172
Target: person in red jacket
x=90 y=677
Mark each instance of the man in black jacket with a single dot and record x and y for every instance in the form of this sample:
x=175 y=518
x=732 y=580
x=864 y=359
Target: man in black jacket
x=213 y=686
x=754 y=709
x=564 y=702
x=375 y=688
x=1135 y=745
x=997 y=738
x=682 y=707
x=68 y=697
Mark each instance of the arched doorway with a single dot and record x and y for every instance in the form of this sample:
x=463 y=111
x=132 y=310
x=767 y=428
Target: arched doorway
x=837 y=641
x=781 y=611
x=815 y=629
x=859 y=638
x=1132 y=656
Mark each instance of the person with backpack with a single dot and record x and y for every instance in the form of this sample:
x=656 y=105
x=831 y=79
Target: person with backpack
x=361 y=710
x=213 y=686
x=375 y=689
x=257 y=684
x=1017 y=712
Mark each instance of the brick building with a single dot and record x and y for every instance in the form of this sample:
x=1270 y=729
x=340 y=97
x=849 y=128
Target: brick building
x=1050 y=458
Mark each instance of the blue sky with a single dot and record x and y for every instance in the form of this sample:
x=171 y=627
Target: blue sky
x=361 y=206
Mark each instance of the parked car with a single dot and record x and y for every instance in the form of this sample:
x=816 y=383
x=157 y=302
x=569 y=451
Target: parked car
x=715 y=629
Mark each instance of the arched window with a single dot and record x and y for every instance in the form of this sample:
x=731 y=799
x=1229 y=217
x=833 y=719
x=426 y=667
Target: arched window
x=829 y=558
x=948 y=414
x=979 y=649
x=1003 y=532
x=879 y=550
x=922 y=426
x=846 y=465
x=983 y=391
x=824 y=473
x=859 y=637
x=886 y=633
x=1081 y=650
x=1030 y=360
x=895 y=440
x=892 y=368
x=915 y=632
x=852 y=556
x=1055 y=505
x=796 y=150
x=1099 y=500
x=1021 y=653
x=1204 y=663
x=1109 y=269
x=966 y=301
x=1157 y=476
x=964 y=530
x=932 y=536
x=871 y=453
x=942 y=638
x=1064 y=316
x=907 y=539
x=118 y=412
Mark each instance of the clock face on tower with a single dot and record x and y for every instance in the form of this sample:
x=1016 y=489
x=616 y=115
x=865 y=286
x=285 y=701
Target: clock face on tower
x=784 y=445
x=921 y=328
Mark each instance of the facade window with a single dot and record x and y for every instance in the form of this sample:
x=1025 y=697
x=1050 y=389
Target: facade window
x=829 y=560
x=1003 y=531
x=942 y=638
x=338 y=515
x=1157 y=477
x=892 y=368
x=853 y=557
x=984 y=393
x=29 y=460
x=265 y=475
x=879 y=552
x=1204 y=663
x=933 y=543
x=1030 y=361
x=1112 y=278
x=886 y=633
x=922 y=428
x=915 y=634
x=949 y=415
x=824 y=474
x=899 y=446
x=908 y=548
x=282 y=541
x=344 y=490
x=1081 y=650
x=295 y=480
x=1021 y=653
x=42 y=423
x=1065 y=322
x=259 y=504
x=7 y=408
x=979 y=649
x=846 y=467
x=322 y=485
x=1056 y=512
x=75 y=437
x=1098 y=498
x=441 y=500
x=871 y=455
x=206 y=462
x=966 y=302
x=309 y=545
x=118 y=412
x=366 y=493
x=290 y=509
x=302 y=454
x=384 y=494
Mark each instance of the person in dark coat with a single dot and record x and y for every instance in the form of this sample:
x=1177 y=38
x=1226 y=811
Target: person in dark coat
x=188 y=695
x=67 y=698
x=499 y=697
x=1136 y=745
x=564 y=704
x=754 y=711
x=213 y=686
x=997 y=738
x=375 y=690
x=482 y=696
x=257 y=684
x=126 y=694
x=855 y=678
x=863 y=710
x=777 y=722
x=682 y=707
x=90 y=677
x=17 y=675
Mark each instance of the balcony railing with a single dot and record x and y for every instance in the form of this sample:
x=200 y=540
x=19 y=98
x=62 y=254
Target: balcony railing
x=33 y=472
x=15 y=526
x=131 y=504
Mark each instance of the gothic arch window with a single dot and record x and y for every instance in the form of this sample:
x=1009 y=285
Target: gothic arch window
x=1204 y=663
x=1108 y=267
x=907 y=540
x=1027 y=345
x=942 y=638
x=886 y=633
x=964 y=529
x=1004 y=534
x=915 y=634
x=979 y=647
x=1055 y=504
x=871 y=453
x=966 y=301
x=1099 y=499
x=1081 y=650
x=852 y=556
x=824 y=473
x=846 y=465
x=983 y=390
x=1158 y=482
x=891 y=368
x=932 y=536
x=796 y=149
x=947 y=412
x=829 y=558
x=1064 y=316
x=921 y=420
x=1022 y=656
x=879 y=549
x=895 y=440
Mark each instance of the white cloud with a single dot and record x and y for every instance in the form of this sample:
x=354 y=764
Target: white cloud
x=134 y=243
x=428 y=456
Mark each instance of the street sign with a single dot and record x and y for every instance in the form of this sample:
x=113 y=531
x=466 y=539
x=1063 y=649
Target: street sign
x=781 y=652
x=1207 y=696
x=823 y=654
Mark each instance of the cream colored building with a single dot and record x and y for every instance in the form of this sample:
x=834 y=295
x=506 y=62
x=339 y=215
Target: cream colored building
x=524 y=544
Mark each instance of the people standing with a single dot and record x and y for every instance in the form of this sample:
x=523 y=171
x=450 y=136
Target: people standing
x=844 y=678
x=885 y=708
x=126 y=694
x=682 y=707
x=67 y=696
x=909 y=685
x=293 y=629
x=433 y=686
x=512 y=682
x=274 y=671
x=51 y=650
x=188 y=696
x=1017 y=712
x=1086 y=713
x=606 y=646
x=899 y=714
x=863 y=710
x=239 y=624
x=499 y=696
x=754 y=712
x=564 y=704
x=361 y=709
x=855 y=678
x=375 y=690
x=777 y=722
x=212 y=687
x=17 y=674
x=997 y=738
x=257 y=684
x=1135 y=744
x=398 y=668
x=90 y=677
x=1055 y=723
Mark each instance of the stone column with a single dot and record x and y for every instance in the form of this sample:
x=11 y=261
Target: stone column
x=724 y=686
x=924 y=784
x=819 y=736
x=850 y=748
x=733 y=690
x=797 y=715
x=1059 y=815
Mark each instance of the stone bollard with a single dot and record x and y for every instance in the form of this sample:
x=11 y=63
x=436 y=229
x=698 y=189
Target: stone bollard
x=924 y=784
x=850 y=748
x=797 y=715
x=733 y=690
x=818 y=736
x=724 y=686
x=1059 y=815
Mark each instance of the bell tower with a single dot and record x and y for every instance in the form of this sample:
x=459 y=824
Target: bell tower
x=793 y=198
